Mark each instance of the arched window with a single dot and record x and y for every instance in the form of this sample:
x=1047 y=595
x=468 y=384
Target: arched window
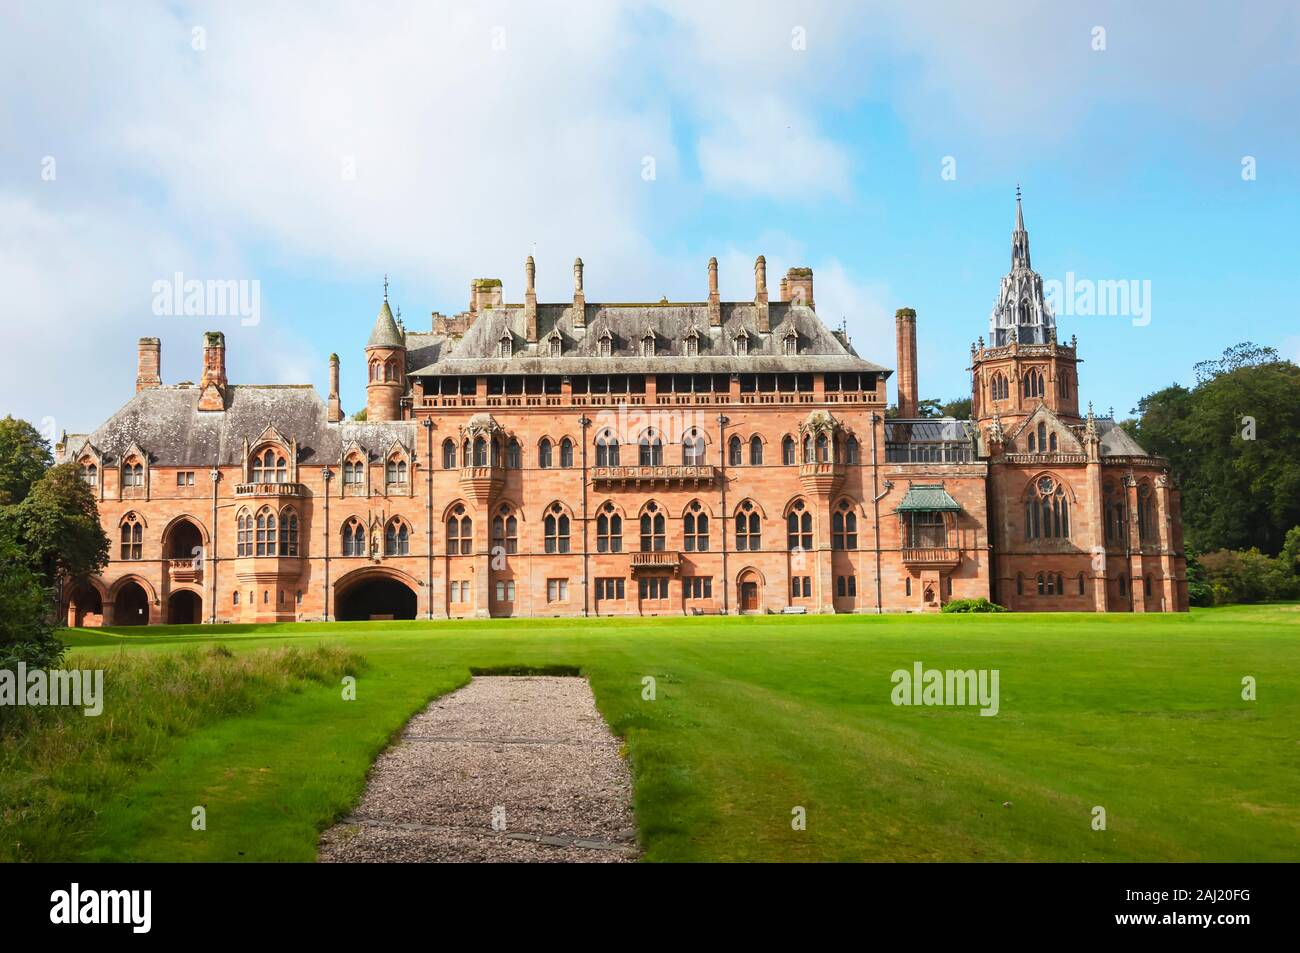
x=505 y=346
x=1020 y=584
x=606 y=449
x=1042 y=437
x=90 y=474
x=755 y=451
x=557 y=346
x=648 y=345
x=556 y=527
x=243 y=534
x=1051 y=443
x=449 y=454
x=1000 y=388
x=566 y=453
x=609 y=530
x=798 y=528
x=695 y=526
x=692 y=345
x=354 y=471
x=397 y=538
x=513 y=454
x=606 y=344
x=652 y=528
x=133 y=474
x=1081 y=584
x=823 y=449
x=1116 y=515
x=460 y=532
x=265 y=533
x=132 y=535
x=742 y=344
x=693 y=450
x=1146 y=515
x=734 y=452
x=787 y=450
x=270 y=467
x=288 y=532
x=808 y=452
x=1032 y=384
x=1047 y=511
x=544 y=454
x=354 y=538
x=505 y=531
x=395 y=472
x=844 y=527
x=790 y=344
x=851 y=451
x=480 y=451
x=749 y=528
x=652 y=450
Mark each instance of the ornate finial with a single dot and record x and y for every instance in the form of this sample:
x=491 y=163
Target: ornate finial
x=1017 y=191
x=385 y=286
x=1091 y=428
x=1112 y=411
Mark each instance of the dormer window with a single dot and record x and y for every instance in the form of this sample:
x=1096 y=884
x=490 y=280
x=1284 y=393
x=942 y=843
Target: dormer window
x=505 y=347
x=693 y=343
x=353 y=472
x=742 y=344
x=556 y=345
x=270 y=467
x=606 y=344
x=648 y=346
x=790 y=345
x=90 y=474
x=133 y=473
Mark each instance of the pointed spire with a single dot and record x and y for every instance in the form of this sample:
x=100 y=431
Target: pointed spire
x=1019 y=238
x=385 y=286
x=385 y=333
x=1020 y=214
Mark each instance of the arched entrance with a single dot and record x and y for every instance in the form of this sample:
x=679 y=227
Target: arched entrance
x=184 y=540
x=131 y=607
x=85 y=607
x=185 y=607
x=375 y=597
x=749 y=591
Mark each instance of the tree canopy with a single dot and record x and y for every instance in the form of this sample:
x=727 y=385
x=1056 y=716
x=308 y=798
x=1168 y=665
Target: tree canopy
x=24 y=457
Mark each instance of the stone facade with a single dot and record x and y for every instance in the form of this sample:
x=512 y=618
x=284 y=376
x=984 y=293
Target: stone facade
x=627 y=459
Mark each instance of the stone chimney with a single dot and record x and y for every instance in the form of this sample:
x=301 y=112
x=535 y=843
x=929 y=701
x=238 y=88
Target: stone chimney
x=335 y=412
x=148 y=364
x=715 y=302
x=579 y=296
x=908 y=402
x=484 y=293
x=530 y=299
x=212 y=385
x=797 y=287
x=760 y=294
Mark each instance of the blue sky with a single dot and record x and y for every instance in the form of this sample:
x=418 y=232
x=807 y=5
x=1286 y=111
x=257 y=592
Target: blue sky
x=213 y=140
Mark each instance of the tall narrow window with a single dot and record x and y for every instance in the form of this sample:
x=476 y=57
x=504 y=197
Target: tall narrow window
x=798 y=526
x=652 y=450
x=652 y=529
x=449 y=454
x=556 y=526
x=734 y=457
x=606 y=450
x=692 y=450
x=132 y=534
x=505 y=531
x=749 y=532
x=609 y=530
x=787 y=450
x=460 y=532
x=544 y=454
x=266 y=537
x=288 y=533
x=695 y=528
x=755 y=451
x=844 y=527
x=566 y=453
x=397 y=538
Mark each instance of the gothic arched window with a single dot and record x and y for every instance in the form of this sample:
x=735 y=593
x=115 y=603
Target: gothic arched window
x=354 y=538
x=460 y=532
x=693 y=450
x=505 y=530
x=132 y=534
x=749 y=528
x=566 y=454
x=798 y=528
x=270 y=467
x=513 y=454
x=734 y=452
x=652 y=450
x=544 y=454
x=288 y=532
x=787 y=450
x=606 y=449
x=609 y=530
x=1047 y=511
x=695 y=526
x=397 y=538
x=556 y=528
x=844 y=527
x=755 y=451
x=652 y=528
x=449 y=454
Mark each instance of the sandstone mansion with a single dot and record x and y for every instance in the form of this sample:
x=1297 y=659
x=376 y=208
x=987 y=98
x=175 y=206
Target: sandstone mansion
x=599 y=458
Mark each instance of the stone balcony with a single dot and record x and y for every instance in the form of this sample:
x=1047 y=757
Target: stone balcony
x=270 y=489
x=483 y=483
x=631 y=476
x=932 y=557
x=821 y=479
x=659 y=559
x=267 y=570
x=185 y=569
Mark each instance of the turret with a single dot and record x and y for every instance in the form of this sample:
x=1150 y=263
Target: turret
x=386 y=366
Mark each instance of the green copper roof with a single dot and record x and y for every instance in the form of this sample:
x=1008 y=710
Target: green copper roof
x=929 y=499
x=385 y=333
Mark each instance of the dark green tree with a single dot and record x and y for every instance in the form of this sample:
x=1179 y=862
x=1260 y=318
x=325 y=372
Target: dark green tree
x=58 y=525
x=26 y=628
x=24 y=457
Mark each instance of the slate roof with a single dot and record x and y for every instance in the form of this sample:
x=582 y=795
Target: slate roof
x=927 y=498
x=166 y=423
x=385 y=333
x=1116 y=441
x=670 y=323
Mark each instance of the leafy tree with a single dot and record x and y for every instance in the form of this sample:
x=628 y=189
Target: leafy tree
x=24 y=457
x=26 y=629
x=958 y=407
x=1231 y=441
x=58 y=524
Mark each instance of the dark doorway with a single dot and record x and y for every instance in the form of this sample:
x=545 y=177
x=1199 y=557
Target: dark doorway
x=749 y=597
x=131 y=606
x=184 y=608
x=85 y=607
x=184 y=541
x=375 y=599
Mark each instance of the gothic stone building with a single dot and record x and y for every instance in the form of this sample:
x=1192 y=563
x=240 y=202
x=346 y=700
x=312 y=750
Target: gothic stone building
x=584 y=458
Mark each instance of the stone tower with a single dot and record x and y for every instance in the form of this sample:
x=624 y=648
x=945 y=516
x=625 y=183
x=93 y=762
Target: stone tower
x=385 y=366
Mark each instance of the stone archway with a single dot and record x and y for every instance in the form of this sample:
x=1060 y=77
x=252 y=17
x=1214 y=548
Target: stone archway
x=183 y=539
x=85 y=606
x=749 y=591
x=367 y=595
x=184 y=607
x=131 y=606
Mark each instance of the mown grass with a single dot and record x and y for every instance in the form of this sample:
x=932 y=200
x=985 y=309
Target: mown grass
x=752 y=717
x=59 y=768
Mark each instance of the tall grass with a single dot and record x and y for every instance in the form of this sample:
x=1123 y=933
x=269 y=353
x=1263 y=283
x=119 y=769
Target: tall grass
x=58 y=766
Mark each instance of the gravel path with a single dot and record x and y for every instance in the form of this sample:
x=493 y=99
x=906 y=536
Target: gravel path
x=505 y=769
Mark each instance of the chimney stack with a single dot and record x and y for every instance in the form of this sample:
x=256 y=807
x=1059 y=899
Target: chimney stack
x=484 y=293
x=715 y=302
x=530 y=299
x=579 y=296
x=212 y=385
x=760 y=294
x=908 y=402
x=335 y=413
x=148 y=364
x=797 y=287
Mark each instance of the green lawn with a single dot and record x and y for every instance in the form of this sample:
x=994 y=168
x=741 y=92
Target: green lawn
x=1141 y=715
